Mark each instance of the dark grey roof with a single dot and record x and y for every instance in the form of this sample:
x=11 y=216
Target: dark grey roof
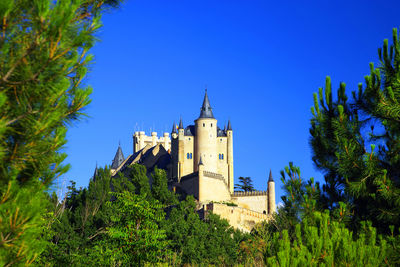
x=206 y=110
x=118 y=159
x=201 y=161
x=270 y=176
x=190 y=130
x=229 y=126
x=149 y=158
x=96 y=172
x=174 y=128
x=180 y=124
x=220 y=133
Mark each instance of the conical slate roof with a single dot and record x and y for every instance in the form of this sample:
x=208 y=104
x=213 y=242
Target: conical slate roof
x=174 y=128
x=201 y=161
x=206 y=110
x=229 y=126
x=270 y=176
x=180 y=124
x=96 y=172
x=118 y=159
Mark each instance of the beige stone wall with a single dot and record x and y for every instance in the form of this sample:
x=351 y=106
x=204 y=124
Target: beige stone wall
x=222 y=164
x=212 y=187
x=237 y=217
x=230 y=160
x=188 y=147
x=206 y=143
x=256 y=202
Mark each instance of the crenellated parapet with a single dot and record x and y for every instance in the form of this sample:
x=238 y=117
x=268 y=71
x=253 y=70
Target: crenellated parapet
x=140 y=140
x=249 y=193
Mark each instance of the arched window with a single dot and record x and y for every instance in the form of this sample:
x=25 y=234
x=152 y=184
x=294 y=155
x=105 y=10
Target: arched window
x=222 y=156
x=211 y=124
x=191 y=155
x=204 y=125
x=187 y=155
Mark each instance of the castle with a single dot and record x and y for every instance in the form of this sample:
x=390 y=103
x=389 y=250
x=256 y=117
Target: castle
x=199 y=162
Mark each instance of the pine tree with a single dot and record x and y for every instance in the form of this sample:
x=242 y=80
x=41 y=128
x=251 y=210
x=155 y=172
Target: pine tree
x=356 y=143
x=245 y=184
x=44 y=56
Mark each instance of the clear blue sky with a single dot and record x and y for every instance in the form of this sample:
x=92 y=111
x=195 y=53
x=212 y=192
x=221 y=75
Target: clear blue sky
x=261 y=62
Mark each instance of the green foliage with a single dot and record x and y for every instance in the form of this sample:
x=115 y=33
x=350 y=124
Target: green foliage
x=245 y=184
x=135 y=235
x=159 y=188
x=44 y=48
x=211 y=241
x=356 y=143
x=328 y=243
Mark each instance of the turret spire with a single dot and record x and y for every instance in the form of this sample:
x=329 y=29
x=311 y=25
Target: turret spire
x=201 y=161
x=180 y=124
x=270 y=176
x=96 y=172
x=229 y=126
x=206 y=110
x=174 y=128
x=118 y=159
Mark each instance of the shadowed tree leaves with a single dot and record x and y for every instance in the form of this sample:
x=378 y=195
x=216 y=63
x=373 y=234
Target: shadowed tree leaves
x=245 y=184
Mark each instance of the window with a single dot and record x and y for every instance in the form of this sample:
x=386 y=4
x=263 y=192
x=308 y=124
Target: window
x=204 y=125
x=187 y=156
x=222 y=156
x=191 y=155
x=211 y=124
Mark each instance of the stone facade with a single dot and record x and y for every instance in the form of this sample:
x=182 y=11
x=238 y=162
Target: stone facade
x=239 y=217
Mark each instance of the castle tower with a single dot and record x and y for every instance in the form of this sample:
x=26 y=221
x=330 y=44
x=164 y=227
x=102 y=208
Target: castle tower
x=271 y=194
x=174 y=134
x=205 y=146
x=181 y=149
x=229 y=134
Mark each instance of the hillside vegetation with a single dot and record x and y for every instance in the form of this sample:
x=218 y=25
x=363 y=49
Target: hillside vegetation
x=352 y=219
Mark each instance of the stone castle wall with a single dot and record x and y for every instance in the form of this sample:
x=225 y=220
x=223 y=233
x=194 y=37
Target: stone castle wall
x=255 y=201
x=238 y=217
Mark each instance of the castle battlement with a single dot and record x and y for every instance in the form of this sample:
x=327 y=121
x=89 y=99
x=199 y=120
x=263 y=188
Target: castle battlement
x=140 y=140
x=249 y=193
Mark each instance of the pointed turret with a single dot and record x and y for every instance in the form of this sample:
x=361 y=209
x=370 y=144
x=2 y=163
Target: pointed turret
x=118 y=159
x=206 y=110
x=174 y=128
x=229 y=126
x=201 y=161
x=96 y=172
x=270 y=176
x=180 y=124
x=271 y=194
